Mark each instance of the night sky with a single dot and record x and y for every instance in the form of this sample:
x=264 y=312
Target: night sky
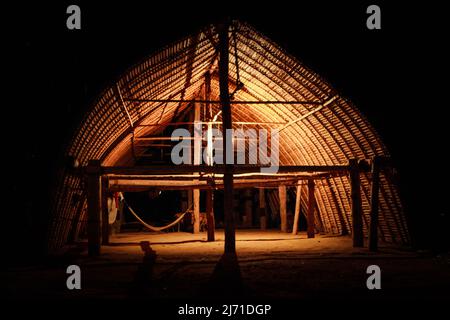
x=395 y=75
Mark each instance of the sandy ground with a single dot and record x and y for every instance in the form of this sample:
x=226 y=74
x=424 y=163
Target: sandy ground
x=272 y=265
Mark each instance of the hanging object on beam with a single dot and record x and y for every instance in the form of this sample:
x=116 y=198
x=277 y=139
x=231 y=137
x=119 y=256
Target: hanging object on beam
x=239 y=84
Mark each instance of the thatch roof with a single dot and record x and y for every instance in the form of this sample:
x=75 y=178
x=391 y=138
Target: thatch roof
x=331 y=136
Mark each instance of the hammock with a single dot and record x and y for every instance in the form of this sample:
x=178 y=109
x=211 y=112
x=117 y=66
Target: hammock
x=156 y=229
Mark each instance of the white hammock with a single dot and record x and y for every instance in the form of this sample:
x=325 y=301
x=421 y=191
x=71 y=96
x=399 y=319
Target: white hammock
x=152 y=228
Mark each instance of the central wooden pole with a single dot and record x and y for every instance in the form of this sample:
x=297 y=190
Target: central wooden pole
x=230 y=245
x=209 y=192
x=197 y=161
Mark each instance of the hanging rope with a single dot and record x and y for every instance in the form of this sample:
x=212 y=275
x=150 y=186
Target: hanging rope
x=152 y=228
x=239 y=84
x=238 y=79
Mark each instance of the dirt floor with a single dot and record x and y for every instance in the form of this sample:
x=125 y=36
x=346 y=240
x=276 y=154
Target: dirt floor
x=272 y=265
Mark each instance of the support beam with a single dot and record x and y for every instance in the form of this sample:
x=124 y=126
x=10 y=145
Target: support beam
x=230 y=243
x=262 y=209
x=93 y=207
x=311 y=203
x=105 y=211
x=235 y=102
x=373 y=229
x=238 y=123
x=209 y=115
x=355 y=183
x=197 y=159
x=218 y=169
x=190 y=193
x=136 y=186
x=196 y=194
x=209 y=193
x=217 y=176
x=297 y=208
x=210 y=214
x=283 y=214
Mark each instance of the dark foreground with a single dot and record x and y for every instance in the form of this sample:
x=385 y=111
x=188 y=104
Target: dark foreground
x=270 y=267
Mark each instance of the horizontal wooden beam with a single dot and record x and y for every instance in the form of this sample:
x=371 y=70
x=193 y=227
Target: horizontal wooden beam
x=241 y=102
x=123 y=182
x=248 y=176
x=176 y=139
x=186 y=169
x=209 y=122
x=170 y=183
x=117 y=186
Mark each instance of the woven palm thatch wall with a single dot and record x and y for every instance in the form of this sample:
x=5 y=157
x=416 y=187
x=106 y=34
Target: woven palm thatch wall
x=333 y=135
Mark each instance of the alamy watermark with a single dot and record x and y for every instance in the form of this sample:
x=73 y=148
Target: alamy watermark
x=73 y=21
x=74 y=279
x=250 y=146
x=374 y=280
x=373 y=22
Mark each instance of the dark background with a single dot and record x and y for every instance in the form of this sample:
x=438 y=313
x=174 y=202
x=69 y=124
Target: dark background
x=397 y=76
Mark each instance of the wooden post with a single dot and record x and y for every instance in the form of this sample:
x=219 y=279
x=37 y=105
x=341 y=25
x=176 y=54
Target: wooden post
x=357 y=231
x=262 y=209
x=230 y=243
x=93 y=171
x=297 y=208
x=373 y=230
x=311 y=203
x=210 y=214
x=196 y=193
x=209 y=161
x=197 y=161
x=248 y=198
x=283 y=216
x=105 y=211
